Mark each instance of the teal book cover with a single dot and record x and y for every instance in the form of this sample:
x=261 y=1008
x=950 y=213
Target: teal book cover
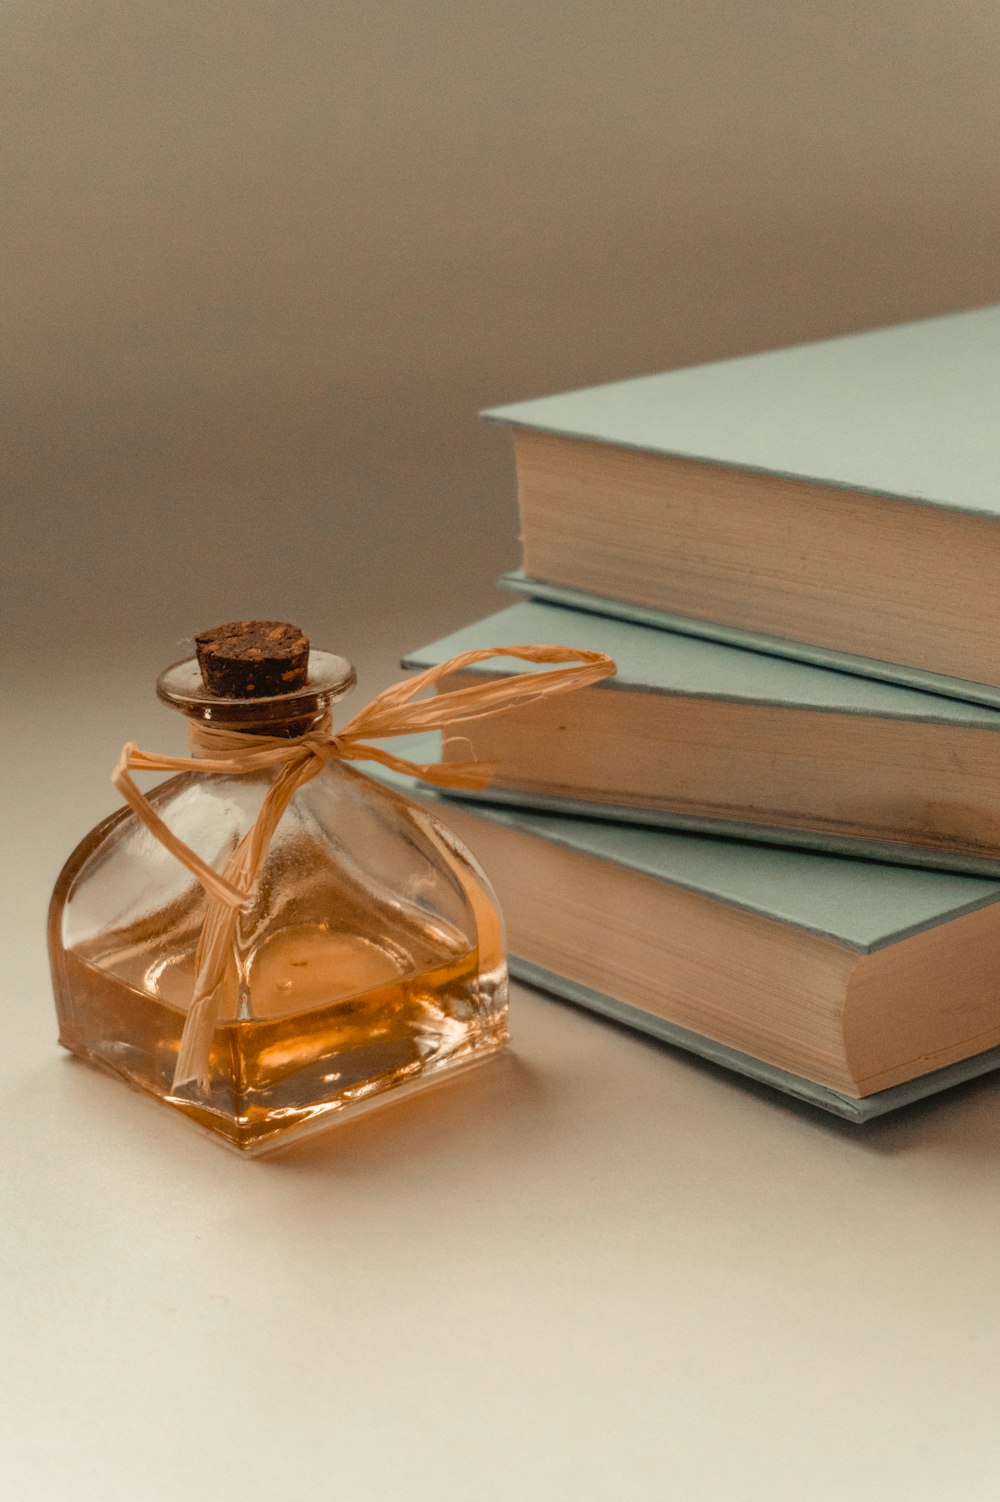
x=908 y=411
x=862 y=911
x=699 y=735
x=836 y=502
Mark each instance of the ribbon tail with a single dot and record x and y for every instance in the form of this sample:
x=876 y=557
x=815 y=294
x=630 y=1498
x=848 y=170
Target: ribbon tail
x=392 y=712
x=473 y=775
x=146 y=813
x=211 y=961
x=194 y=1054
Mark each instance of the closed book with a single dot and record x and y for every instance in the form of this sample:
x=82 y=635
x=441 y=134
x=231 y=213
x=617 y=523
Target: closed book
x=856 y=986
x=837 y=502
x=702 y=736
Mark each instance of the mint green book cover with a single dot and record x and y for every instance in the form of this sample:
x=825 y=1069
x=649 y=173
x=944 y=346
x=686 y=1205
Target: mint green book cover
x=670 y=663
x=907 y=412
x=861 y=905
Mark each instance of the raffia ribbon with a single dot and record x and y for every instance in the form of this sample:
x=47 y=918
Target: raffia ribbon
x=294 y=762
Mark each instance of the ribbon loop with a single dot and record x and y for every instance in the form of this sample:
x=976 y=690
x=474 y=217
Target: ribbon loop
x=295 y=761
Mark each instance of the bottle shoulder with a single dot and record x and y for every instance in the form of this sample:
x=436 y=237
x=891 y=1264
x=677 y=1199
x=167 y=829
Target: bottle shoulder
x=345 y=841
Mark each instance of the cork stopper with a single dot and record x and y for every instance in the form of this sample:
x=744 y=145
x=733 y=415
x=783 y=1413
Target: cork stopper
x=253 y=659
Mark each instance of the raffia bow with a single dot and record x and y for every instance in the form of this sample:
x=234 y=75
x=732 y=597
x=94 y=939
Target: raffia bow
x=295 y=762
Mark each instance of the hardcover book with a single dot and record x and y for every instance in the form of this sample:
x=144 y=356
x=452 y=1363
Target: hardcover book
x=837 y=502
x=858 y=987
x=703 y=736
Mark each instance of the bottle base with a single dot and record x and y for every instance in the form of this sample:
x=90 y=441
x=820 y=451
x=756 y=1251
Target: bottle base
x=260 y=1132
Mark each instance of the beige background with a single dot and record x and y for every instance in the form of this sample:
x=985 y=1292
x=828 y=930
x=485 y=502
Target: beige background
x=263 y=264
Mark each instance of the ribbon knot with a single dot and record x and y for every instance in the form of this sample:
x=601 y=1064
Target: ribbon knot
x=292 y=762
x=324 y=748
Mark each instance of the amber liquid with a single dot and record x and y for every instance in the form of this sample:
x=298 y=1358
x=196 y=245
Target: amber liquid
x=314 y=1020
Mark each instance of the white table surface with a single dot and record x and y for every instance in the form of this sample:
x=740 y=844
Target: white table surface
x=594 y=1269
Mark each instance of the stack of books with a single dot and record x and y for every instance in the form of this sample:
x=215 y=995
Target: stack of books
x=774 y=837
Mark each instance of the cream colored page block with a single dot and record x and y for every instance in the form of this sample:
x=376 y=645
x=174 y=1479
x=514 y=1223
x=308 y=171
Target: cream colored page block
x=929 y=1001
x=878 y=578
x=756 y=985
x=757 y=763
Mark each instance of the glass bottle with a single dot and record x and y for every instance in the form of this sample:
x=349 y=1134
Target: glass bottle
x=369 y=962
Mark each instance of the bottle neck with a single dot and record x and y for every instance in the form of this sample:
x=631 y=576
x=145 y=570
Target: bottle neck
x=218 y=740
